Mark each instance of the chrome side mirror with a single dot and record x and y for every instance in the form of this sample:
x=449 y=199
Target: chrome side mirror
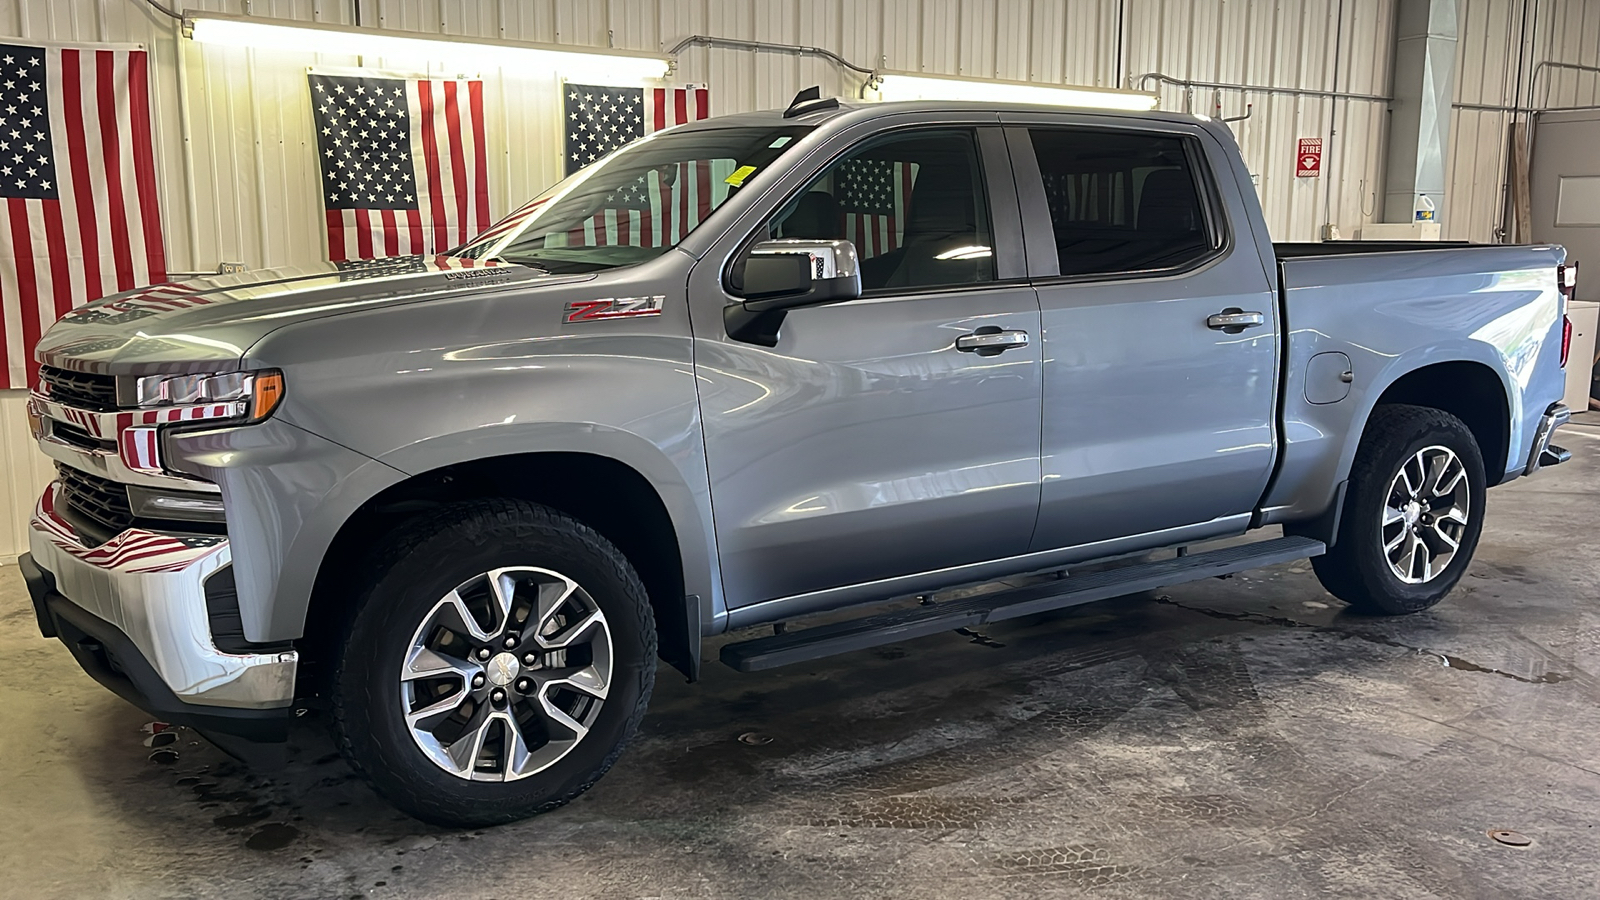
x=817 y=271
x=786 y=274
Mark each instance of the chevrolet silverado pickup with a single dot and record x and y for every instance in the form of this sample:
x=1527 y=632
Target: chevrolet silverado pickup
x=743 y=371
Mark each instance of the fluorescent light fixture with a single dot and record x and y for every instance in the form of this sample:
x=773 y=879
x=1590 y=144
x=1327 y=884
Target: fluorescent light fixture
x=469 y=53
x=897 y=86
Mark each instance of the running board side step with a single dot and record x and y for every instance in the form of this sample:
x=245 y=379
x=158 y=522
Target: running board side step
x=873 y=631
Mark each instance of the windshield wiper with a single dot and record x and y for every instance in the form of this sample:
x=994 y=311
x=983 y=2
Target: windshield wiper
x=542 y=270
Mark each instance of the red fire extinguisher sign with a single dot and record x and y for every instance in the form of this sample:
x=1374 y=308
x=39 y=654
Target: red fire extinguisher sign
x=1308 y=162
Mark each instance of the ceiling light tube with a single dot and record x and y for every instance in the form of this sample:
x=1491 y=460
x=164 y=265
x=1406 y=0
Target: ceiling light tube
x=901 y=86
x=614 y=66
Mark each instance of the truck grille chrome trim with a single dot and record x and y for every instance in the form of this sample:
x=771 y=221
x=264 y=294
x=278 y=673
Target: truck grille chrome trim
x=81 y=389
x=121 y=445
x=132 y=550
x=101 y=500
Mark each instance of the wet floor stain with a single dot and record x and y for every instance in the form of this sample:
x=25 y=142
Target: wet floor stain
x=1450 y=660
x=272 y=836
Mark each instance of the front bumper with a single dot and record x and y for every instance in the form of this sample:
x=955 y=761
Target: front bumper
x=133 y=612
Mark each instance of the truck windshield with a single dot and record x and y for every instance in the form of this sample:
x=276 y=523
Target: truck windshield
x=636 y=203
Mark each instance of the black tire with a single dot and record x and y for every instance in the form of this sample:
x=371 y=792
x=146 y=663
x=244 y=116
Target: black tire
x=421 y=563
x=1356 y=569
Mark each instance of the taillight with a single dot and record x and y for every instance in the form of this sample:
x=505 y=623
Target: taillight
x=1566 y=339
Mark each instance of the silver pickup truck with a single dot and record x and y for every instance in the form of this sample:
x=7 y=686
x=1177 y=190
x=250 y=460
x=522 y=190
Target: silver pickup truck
x=742 y=371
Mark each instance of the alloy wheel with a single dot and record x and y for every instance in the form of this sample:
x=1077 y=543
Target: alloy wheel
x=506 y=674
x=1425 y=515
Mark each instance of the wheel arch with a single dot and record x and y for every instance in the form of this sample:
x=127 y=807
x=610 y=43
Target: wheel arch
x=1463 y=379
x=608 y=495
x=1471 y=391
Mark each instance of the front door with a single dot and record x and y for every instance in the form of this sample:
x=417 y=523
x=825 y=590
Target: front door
x=1158 y=412
x=866 y=445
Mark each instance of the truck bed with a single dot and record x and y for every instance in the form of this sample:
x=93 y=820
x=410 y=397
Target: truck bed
x=1297 y=250
x=1494 y=309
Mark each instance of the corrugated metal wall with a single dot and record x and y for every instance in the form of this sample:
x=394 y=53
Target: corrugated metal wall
x=239 y=184
x=1330 y=45
x=1502 y=44
x=242 y=187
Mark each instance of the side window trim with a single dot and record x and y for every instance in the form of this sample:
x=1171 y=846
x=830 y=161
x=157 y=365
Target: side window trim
x=1005 y=213
x=1038 y=234
x=1039 y=230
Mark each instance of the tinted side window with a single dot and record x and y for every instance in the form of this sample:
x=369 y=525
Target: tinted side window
x=913 y=205
x=1121 y=202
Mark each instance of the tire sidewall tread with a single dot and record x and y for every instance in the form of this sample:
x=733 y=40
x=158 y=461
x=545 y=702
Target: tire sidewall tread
x=1355 y=569
x=466 y=539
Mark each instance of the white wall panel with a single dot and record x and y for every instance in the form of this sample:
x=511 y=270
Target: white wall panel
x=24 y=472
x=1281 y=45
x=1490 y=71
x=252 y=177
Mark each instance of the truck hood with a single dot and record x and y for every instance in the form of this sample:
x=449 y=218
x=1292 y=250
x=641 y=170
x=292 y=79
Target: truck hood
x=213 y=320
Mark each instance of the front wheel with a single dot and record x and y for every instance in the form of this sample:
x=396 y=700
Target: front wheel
x=1412 y=515
x=501 y=655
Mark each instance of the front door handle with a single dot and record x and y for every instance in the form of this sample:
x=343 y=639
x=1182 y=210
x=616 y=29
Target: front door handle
x=1234 y=320
x=991 y=341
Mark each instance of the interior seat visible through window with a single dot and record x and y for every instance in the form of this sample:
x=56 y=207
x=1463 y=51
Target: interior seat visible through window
x=1121 y=201
x=914 y=207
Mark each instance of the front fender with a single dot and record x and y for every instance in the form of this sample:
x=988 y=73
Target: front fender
x=502 y=373
x=287 y=492
x=679 y=480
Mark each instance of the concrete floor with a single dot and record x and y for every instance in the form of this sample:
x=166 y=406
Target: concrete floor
x=1238 y=738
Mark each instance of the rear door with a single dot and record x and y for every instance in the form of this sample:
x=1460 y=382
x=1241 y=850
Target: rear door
x=867 y=444
x=1160 y=334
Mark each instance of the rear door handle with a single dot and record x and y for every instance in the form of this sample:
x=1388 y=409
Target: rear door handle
x=991 y=341
x=1234 y=320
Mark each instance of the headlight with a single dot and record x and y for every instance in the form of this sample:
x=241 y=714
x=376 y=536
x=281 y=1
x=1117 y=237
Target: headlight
x=259 y=392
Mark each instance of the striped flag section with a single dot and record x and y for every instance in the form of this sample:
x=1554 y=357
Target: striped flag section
x=404 y=163
x=873 y=197
x=661 y=206
x=77 y=177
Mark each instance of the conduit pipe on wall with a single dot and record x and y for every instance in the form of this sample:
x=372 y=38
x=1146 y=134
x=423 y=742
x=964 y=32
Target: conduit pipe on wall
x=1144 y=81
x=1533 y=88
x=706 y=40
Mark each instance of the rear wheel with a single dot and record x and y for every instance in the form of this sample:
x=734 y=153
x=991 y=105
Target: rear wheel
x=501 y=656
x=1412 y=515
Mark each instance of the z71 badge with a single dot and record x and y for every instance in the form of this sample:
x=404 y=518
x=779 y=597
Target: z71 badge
x=614 y=308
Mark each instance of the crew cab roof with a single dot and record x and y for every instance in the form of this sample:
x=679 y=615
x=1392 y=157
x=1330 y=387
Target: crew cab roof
x=858 y=109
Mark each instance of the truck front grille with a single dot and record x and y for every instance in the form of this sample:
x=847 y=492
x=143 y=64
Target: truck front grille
x=80 y=389
x=77 y=437
x=100 y=500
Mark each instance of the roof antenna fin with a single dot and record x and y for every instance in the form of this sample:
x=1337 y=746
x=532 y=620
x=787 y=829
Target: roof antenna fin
x=808 y=101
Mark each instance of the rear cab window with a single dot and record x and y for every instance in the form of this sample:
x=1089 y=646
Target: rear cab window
x=1124 y=202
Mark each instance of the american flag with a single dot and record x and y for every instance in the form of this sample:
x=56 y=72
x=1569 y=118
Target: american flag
x=873 y=194
x=371 y=134
x=78 y=180
x=659 y=207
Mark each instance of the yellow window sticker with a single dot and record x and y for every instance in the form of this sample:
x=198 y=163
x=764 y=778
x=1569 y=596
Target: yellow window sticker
x=739 y=175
